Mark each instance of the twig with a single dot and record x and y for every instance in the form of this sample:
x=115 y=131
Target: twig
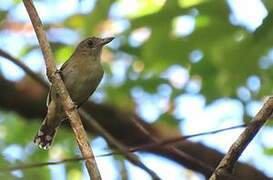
x=172 y=147
x=41 y=164
x=123 y=171
x=34 y=165
x=68 y=105
x=117 y=144
x=227 y=163
x=25 y=68
x=181 y=138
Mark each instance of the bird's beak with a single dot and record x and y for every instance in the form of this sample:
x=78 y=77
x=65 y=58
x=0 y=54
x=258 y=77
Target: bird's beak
x=105 y=41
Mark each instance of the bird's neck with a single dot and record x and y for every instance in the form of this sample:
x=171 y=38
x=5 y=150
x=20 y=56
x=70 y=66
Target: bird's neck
x=92 y=57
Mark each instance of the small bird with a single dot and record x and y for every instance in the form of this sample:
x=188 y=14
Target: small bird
x=81 y=74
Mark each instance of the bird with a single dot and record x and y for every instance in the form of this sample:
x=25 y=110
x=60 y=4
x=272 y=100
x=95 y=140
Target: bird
x=81 y=74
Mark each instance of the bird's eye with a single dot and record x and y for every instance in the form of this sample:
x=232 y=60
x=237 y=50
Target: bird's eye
x=90 y=43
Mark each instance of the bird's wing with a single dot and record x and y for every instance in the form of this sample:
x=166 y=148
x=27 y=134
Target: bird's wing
x=64 y=65
x=48 y=99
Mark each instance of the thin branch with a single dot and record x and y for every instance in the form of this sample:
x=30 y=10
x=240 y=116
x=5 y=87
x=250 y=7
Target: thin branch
x=171 y=146
x=117 y=144
x=123 y=170
x=173 y=142
x=41 y=164
x=58 y=84
x=131 y=150
x=25 y=68
x=227 y=163
x=181 y=138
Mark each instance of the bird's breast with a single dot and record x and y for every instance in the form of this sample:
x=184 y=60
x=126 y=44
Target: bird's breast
x=82 y=80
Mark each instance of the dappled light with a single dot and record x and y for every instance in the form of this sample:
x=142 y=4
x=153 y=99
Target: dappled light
x=175 y=68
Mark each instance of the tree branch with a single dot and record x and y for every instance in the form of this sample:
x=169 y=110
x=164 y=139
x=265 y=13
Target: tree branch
x=227 y=163
x=25 y=68
x=171 y=146
x=115 y=143
x=175 y=140
x=58 y=84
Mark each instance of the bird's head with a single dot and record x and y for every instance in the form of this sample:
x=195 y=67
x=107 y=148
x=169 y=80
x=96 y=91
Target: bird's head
x=93 y=45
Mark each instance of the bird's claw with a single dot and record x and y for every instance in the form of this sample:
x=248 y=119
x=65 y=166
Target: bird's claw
x=58 y=71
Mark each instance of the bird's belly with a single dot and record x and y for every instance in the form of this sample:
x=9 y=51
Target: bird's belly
x=81 y=88
x=84 y=89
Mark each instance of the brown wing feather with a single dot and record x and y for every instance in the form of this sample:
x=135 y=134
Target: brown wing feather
x=48 y=98
x=64 y=64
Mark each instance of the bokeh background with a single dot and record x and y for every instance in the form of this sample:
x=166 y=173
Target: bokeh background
x=178 y=66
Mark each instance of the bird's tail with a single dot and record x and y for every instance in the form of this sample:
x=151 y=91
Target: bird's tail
x=45 y=136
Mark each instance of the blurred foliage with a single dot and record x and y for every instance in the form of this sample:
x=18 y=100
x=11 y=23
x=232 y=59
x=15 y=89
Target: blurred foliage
x=230 y=55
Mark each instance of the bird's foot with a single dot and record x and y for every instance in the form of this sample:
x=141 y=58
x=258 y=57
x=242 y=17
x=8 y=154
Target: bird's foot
x=58 y=71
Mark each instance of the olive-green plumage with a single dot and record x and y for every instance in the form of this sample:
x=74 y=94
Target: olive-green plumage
x=81 y=74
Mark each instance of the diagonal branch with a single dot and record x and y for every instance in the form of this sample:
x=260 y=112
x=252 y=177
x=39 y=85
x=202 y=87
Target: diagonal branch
x=227 y=163
x=117 y=144
x=25 y=68
x=171 y=146
x=176 y=140
x=68 y=105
